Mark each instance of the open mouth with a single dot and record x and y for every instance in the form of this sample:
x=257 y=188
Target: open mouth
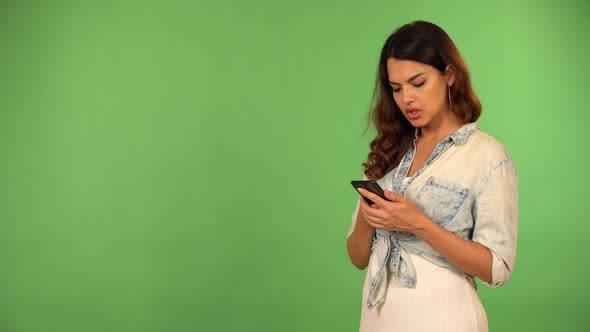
x=413 y=113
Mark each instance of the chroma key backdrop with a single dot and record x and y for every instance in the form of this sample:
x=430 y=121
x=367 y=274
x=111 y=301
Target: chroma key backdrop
x=186 y=165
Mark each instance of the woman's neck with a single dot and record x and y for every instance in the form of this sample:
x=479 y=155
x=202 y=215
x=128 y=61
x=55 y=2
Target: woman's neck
x=440 y=128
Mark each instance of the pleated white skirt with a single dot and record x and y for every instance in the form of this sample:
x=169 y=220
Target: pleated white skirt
x=443 y=301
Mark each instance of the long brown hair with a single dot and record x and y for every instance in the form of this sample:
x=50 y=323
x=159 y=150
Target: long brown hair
x=426 y=43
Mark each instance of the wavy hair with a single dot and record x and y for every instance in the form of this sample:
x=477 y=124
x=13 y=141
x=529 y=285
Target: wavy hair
x=426 y=43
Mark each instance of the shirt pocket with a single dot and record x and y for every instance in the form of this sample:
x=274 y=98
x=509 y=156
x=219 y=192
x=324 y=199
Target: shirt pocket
x=440 y=200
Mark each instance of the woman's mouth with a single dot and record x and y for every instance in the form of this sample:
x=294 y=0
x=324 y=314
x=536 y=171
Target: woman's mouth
x=413 y=113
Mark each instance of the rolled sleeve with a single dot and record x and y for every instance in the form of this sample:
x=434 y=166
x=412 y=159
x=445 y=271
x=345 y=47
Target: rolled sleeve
x=496 y=220
x=354 y=216
x=356 y=212
x=501 y=272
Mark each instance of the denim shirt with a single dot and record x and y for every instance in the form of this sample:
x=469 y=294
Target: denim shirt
x=468 y=185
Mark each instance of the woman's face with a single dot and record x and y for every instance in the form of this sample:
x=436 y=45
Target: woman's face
x=420 y=91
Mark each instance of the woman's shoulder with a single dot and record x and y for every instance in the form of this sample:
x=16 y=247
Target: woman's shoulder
x=487 y=147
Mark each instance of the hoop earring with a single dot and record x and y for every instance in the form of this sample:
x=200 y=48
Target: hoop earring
x=450 y=101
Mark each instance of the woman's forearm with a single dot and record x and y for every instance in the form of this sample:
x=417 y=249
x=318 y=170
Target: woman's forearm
x=359 y=243
x=470 y=257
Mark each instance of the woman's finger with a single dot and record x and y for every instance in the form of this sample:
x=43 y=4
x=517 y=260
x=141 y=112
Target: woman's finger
x=375 y=198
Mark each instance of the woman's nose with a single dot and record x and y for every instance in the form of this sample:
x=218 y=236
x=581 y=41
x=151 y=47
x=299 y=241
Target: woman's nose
x=407 y=96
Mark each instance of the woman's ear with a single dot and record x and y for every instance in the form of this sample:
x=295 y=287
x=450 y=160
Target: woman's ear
x=450 y=75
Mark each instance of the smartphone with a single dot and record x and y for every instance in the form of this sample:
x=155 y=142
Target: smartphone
x=370 y=185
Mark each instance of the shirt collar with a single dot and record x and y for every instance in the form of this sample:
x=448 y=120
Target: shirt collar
x=461 y=135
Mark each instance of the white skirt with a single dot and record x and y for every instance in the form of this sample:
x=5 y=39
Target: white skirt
x=443 y=301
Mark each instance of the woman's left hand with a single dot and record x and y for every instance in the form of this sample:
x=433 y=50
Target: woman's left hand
x=397 y=214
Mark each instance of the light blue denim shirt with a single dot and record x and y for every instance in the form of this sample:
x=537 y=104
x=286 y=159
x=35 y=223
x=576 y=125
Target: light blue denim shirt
x=468 y=185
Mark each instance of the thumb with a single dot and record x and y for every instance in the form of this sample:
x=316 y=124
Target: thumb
x=393 y=196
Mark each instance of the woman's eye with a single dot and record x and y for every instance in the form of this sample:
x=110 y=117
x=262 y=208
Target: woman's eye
x=417 y=85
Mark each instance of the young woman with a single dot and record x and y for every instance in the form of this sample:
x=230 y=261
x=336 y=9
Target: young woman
x=451 y=212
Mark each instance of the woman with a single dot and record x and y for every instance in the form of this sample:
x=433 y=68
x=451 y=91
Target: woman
x=451 y=189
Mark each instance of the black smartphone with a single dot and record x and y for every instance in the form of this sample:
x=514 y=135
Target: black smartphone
x=370 y=185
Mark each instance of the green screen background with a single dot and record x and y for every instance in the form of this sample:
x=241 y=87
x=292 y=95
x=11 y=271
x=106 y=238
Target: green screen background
x=185 y=166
